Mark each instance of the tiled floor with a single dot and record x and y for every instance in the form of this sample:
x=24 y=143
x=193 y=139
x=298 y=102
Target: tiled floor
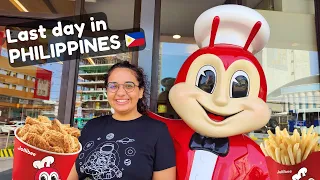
x=5 y=164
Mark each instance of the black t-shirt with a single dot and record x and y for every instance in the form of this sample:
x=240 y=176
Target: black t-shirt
x=132 y=150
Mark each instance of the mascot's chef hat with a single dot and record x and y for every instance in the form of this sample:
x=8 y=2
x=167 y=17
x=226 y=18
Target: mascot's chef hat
x=236 y=23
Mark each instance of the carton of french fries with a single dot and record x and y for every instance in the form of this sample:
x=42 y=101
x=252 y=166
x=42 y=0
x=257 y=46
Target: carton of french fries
x=44 y=149
x=293 y=156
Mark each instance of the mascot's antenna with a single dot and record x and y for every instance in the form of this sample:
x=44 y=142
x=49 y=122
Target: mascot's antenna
x=252 y=34
x=214 y=29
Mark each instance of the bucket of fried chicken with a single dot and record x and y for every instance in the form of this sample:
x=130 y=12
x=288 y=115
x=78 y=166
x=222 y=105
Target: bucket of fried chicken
x=44 y=149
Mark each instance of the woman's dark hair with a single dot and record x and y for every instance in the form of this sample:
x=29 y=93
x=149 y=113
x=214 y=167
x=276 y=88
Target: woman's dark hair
x=142 y=79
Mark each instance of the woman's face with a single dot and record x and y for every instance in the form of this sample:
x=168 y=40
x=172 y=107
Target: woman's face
x=123 y=91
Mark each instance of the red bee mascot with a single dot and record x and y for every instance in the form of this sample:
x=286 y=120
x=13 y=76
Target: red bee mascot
x=220 y=94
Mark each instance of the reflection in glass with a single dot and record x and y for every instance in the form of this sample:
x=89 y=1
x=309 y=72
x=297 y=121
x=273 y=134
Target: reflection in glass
x=239 y=87
x=206 y=82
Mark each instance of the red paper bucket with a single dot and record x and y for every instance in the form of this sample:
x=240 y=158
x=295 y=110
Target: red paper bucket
x=306 y=170
x=32 y=163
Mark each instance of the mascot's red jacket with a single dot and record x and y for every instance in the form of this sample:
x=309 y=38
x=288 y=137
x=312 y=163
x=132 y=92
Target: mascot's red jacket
x=220 y=94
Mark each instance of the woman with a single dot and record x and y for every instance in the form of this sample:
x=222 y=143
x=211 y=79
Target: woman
x=128 y=144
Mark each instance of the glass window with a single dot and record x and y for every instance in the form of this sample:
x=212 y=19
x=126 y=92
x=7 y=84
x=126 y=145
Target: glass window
x=22 y=91
x=288 y=6
x=290 y=59
x=91 y=94
x=3 y=72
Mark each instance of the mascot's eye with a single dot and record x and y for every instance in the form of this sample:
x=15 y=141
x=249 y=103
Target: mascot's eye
x=54 y=176
x=239 y=86
x=44 y=176
x=206 y=78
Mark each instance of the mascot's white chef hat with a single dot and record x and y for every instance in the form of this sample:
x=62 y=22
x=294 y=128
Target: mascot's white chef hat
x=236 y=23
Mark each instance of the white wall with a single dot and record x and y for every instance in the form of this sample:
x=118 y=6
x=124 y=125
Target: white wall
x=297 y=6
x=282 y=66
x=288 y=29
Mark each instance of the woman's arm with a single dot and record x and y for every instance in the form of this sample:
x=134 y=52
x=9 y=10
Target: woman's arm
x=167 y=174
x=165 y=160
x=73 y=175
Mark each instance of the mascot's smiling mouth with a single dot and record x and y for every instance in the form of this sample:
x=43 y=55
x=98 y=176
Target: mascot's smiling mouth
x=216 y=117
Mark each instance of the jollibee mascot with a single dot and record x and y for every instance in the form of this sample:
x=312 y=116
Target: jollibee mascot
x=220 y=94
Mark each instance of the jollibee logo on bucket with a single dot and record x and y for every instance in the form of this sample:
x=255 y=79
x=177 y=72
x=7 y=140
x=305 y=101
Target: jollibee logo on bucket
x=45 y=172
x=302 y=173
x=27 y=151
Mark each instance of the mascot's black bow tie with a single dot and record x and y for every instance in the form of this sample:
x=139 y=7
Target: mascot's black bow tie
x=218 y=146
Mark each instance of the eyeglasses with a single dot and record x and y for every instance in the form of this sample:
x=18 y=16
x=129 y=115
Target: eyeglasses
x=114 y=86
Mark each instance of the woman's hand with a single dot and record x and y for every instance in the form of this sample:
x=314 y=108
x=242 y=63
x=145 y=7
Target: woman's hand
x=73 y=175
x=167 y=174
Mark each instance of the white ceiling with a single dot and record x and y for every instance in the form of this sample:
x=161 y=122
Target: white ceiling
x=177 y=16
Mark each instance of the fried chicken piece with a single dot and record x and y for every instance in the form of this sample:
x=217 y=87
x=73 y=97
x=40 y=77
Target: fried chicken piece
x=73 y=131
x=31 y=121
x=50 y=135
x=65 y=125
x=76 y=146
x=54 y=138
x=36 y=140
x=56 y=149
x=71 y=144
x=56 y=125
x=68 y=143
x=40 y=128
x=23 y=130
x=36 y=128
x=44 y=119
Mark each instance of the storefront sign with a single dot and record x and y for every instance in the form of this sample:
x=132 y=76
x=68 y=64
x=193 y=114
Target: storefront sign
x=23 y=101
x=42 y=84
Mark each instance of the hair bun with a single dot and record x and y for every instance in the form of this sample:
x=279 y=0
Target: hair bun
x=126 y=62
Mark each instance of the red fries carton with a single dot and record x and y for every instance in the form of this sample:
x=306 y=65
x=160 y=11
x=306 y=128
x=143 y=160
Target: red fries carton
x=292 y=156
x=32 y=163
x=306 y=170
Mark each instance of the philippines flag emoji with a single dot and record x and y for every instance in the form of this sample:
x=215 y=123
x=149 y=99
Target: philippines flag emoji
x=135 y=39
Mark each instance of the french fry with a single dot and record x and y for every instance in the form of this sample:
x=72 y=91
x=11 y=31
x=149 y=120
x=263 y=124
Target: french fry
x=284 y=152
x=308 y=149
x=282 y=160
x=285 y=133
x=310 y=130
x=305 y=143
x=296 y=136
x=270 y=152
x=263 y=149
x=298 y=157
x=286 y=158
x=278 y=135
x=273 y=143
x=271 y=135
x=315 y=136
x=303 y=133
x=277 y=153
x=289 y=149
x=291 y=157
x=282 y=146
x=295 y=149
x=288 y=141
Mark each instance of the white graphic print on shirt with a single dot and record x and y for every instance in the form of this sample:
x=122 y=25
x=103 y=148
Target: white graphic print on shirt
x=103 y=162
